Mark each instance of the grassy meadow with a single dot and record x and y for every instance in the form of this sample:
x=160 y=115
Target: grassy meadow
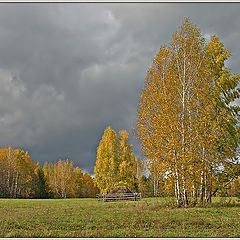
x=150 y=217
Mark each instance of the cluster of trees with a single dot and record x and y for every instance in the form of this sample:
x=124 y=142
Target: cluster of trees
x=116 y=164
x=187 y=117
x=21 y=177
x=66 y=181
x=17 y=174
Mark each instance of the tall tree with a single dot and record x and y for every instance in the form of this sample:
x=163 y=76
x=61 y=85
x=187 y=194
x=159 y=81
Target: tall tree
x=185 y=119
x=126 y=161
x=106 y=169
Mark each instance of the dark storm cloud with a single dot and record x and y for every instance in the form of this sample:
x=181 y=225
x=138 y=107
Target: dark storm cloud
x=69 y=70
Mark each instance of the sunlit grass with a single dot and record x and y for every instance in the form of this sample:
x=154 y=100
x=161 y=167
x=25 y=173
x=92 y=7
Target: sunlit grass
x=151 y=217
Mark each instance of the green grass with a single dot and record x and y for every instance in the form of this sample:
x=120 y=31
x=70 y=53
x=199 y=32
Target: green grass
x=90 y=218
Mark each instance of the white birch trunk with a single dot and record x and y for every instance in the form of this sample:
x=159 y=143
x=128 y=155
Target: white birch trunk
x=202 y=178
x=178 y=191
x=16 y=186
x=185 y=198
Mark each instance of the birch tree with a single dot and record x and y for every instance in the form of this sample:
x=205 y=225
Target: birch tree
x=185 y=117
x=126 y=172
x=106 y=168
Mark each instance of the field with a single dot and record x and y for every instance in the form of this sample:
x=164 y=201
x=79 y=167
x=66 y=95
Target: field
x=90 y=218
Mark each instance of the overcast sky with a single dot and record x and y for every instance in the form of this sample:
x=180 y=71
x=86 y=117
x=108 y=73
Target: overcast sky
x=67 y=71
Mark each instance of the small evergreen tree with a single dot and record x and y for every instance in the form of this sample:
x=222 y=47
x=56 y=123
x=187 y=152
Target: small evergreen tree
x=41 y=184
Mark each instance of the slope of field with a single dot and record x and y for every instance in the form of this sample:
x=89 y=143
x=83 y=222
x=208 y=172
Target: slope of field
x=90 y=218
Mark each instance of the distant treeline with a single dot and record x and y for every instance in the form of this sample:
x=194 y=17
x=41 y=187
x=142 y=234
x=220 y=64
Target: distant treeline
x=21 y=177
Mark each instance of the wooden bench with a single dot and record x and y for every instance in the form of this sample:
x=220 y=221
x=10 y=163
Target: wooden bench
x=119 y=197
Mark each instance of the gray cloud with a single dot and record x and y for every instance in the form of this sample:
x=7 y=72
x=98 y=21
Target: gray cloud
x=69 y=70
